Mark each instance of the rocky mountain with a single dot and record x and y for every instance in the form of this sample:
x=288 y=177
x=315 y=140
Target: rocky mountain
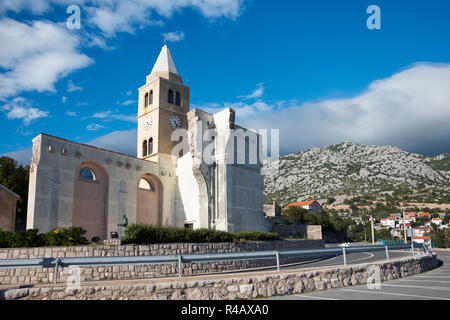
x=350 y=169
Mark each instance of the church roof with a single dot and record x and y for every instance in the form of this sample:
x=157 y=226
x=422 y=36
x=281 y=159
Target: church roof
x=165 y=63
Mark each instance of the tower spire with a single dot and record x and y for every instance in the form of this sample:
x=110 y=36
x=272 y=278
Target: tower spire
x=165 y=63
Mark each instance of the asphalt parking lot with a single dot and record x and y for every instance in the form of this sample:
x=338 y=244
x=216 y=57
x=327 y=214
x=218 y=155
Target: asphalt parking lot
x=432 y=285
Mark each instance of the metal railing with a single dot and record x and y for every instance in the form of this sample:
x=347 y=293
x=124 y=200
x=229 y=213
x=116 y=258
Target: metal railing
x=190 y=258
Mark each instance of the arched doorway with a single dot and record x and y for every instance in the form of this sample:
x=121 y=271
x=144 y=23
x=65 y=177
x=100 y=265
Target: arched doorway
x=90 y=200
x=149 y=200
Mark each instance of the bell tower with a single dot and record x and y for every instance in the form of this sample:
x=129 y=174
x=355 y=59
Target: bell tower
x=163 y=105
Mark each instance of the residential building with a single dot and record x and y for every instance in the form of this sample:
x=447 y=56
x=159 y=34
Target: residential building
x=311 y=205
x=425 y=240
x=388 y=222
x=436 y=221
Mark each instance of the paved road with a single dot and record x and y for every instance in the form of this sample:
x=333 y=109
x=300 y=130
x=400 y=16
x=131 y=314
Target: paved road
x=432 y=285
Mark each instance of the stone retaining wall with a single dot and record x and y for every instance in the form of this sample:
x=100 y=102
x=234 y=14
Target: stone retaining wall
x=243 y=287
x=313 y=232
x=44 y=275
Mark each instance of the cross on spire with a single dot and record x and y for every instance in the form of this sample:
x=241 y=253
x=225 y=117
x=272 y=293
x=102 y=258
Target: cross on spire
x=165 y=39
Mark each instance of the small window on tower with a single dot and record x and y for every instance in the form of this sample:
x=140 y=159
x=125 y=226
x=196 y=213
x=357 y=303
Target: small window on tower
x=150 y=98
x=150 y=146
x=177 y=99
x=146 y=100
x=170 y=97
x=144 y=148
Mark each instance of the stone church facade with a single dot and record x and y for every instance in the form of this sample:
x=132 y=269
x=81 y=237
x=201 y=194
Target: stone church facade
x=74 y=184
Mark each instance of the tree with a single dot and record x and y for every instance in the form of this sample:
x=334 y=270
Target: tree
x=331 y=200
x=295 y=215
x=16 y=177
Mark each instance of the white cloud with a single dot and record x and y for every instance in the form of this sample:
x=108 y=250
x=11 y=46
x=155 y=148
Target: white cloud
x=94 y=127
x=257 y=93
x=71 y=113
x=124 y=141
x=35 y=56
x=22 y=156
x=20 y=108
x=174 y=36
x=64 y=99
x=128 y=102
x=410 y=109
x=112 y=16
x=72 y=88
x=109 y=115
x=243 y=110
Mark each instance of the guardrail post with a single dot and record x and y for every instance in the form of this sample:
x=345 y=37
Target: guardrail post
x=344 y=255
x=180 y=271
x=55 y=277
x=387 y=252
x=412 y=249
x=277 y=255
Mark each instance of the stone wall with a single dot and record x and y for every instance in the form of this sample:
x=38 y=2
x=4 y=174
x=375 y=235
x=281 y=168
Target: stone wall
x=224 y=288
x=44 y=275
x=313 y=232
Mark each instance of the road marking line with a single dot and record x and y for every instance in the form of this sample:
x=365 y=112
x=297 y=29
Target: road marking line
x=439 y=281
x=396 y=294
x=417 y=287
x=441 y=277
x=371 y=256
x=313 y=297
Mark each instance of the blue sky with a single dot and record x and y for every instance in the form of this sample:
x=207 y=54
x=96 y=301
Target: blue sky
x=310 y=68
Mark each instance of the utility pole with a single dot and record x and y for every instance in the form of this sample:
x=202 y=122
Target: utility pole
x=404 y=225
x=373 y=233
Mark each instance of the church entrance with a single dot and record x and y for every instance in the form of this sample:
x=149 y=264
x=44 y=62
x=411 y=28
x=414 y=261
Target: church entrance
x=90 y=201
x=149 y=200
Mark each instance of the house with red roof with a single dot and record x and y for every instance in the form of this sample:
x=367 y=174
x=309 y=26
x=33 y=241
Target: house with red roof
x=424 y=214
x=425 y=240
x=311 y=205
x=421 y=231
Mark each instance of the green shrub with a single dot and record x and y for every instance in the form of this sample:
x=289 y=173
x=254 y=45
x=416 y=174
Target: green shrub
x=141 y=234
x=65 y=237
x=258 y=236
x=30 y=238
x=23 y=238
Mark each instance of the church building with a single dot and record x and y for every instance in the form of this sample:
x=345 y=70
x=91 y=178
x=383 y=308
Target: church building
x=74 y=184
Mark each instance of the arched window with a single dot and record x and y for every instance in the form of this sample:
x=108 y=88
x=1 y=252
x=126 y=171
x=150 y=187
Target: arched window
x=177 y=99
x=170 y=97
x=144 y=148
x=150 y=146
x=150 y=98
x=146 y=185
x=146 y=100
x=86 y=173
